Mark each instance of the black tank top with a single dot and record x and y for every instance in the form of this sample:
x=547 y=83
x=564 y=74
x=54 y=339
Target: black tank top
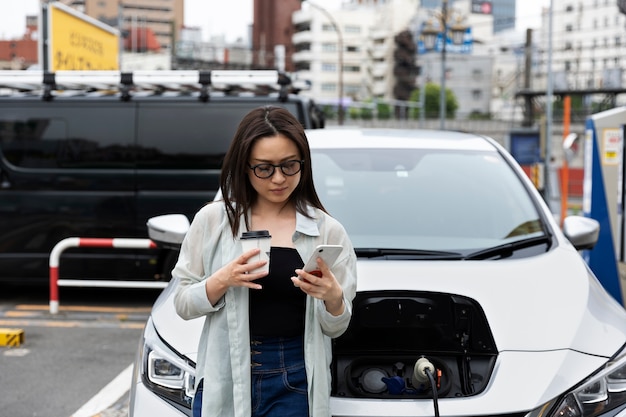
x=278 y=308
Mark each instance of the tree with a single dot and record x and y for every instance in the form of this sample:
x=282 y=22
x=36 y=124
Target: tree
x=404 y=69
x=431 y=105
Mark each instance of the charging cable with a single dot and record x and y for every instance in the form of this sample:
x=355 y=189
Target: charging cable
x=424 y=371
x=433 y=386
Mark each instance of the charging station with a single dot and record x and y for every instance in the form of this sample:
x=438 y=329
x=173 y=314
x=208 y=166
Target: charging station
x=603 y=194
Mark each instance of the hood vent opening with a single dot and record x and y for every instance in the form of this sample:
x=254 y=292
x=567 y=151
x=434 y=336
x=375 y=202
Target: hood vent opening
x=391 y=330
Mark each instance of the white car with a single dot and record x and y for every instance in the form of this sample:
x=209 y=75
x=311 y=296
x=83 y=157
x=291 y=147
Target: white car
x=462 y=272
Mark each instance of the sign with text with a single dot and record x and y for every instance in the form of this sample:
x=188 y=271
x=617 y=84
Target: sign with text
x=481 y=7
x=464 y=47
x=78 y=42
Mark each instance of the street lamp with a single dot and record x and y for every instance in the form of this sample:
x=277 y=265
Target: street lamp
x=429 y=37
x=339 y=57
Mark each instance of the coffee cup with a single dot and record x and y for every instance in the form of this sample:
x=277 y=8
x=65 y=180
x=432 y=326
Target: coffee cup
x=258 y=239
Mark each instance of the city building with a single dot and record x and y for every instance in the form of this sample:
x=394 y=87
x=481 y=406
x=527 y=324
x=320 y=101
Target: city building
x=194 y=53
x=504 y=15
x=469 y=67
x=364 y=45
x=22 y=53
x=503 y=11
x=588 y=46
x=272 y=32
x=368 y=31
x=164 y=18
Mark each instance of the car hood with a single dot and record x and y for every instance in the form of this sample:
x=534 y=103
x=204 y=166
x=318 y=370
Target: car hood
x=536 y=304
x=539 y=303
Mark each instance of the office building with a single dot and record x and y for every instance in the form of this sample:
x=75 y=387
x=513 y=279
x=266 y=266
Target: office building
x=271 y=33
x=503 y=11
x=164 y=17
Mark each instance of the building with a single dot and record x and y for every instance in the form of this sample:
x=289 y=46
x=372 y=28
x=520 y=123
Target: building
x=272 y=33
x=503 y=11
x=368 y=31
x=504 y=15
x=469 y=77
x=193 y=53
x=588 y=46
x=508 y=51
x=18 y=54
x=149 y=31
x=150 y=39
x=164 y=18
x=364 y=44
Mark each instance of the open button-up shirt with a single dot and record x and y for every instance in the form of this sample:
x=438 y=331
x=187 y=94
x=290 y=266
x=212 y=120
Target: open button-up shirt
x=224 y=350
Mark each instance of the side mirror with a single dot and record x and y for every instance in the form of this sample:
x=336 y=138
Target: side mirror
x=582 y=231
x=168 y=230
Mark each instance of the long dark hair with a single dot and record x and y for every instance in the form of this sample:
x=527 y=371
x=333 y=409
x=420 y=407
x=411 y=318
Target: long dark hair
x=238 y=193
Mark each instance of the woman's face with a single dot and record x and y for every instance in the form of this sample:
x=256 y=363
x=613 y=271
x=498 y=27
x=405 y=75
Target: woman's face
x=265 y=153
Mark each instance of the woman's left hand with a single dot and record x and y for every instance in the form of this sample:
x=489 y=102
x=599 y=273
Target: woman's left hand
x=324 y=287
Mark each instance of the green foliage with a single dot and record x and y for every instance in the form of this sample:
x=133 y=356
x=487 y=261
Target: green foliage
x=476 y=115
x=329 y=112
x=431 y=104
x=383 y=111
x=367 y=113
x=404 y=68
x=576 y=103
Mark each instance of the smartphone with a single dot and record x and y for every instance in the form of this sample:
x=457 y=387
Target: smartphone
x=329 y=253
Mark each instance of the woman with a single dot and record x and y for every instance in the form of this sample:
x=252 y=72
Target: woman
x=265 y=347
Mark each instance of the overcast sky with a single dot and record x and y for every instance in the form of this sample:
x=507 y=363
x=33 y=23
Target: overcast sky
x=230 y=17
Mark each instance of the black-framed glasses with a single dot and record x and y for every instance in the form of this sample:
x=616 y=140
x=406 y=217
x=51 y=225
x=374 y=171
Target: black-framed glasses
x=289 y=168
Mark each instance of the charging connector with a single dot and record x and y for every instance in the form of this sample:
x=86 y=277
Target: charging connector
x=419 y=371
x=424 y=372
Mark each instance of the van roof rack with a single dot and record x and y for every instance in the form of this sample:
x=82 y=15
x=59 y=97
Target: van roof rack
x=229 y=81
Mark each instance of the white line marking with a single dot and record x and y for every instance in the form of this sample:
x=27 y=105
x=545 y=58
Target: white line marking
x=107 y=395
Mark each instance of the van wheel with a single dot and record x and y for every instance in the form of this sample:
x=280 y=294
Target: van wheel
x=169 y=261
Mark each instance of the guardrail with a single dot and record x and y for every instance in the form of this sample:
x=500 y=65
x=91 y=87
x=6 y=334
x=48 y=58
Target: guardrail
x=119 y=243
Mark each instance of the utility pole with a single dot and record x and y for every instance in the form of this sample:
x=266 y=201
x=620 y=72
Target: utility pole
x=528 y=108
x=442 y=97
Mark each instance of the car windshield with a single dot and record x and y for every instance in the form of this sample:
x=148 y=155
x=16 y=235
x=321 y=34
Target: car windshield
x=425 y=199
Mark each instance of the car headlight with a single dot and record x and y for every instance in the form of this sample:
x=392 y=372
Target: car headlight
x=603 y=393
x=165 y=372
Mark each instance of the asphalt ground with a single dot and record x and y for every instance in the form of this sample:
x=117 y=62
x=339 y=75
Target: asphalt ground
x=75 y=363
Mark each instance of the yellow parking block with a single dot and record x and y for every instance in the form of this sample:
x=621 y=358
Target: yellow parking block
x=11 y=337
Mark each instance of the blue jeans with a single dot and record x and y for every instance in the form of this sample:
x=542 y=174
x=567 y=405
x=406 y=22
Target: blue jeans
x=196 y=404
x=279 y=385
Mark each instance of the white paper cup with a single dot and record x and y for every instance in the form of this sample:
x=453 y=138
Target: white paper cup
x=258 y=239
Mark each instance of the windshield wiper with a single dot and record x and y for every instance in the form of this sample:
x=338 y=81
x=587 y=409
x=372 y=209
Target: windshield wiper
x=507 y=249
x=406 y=254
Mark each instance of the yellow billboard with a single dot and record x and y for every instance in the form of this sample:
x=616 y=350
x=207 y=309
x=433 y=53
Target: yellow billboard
x=79 y=42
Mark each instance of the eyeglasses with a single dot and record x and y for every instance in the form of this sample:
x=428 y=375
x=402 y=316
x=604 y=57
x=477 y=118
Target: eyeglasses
x=288 y=168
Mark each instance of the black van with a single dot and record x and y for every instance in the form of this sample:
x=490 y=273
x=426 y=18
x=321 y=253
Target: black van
x=80 y=158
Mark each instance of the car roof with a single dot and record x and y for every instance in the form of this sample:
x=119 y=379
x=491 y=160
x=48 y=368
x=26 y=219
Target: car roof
x=402 y=138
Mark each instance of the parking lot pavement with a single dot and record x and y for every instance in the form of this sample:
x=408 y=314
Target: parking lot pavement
x=67 y=359
x=118 y=409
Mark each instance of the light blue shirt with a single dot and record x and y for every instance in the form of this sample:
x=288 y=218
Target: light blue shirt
x=224 y=350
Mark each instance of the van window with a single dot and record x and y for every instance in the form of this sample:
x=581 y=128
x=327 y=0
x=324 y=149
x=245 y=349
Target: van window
x=55 y=141
x=189 y=135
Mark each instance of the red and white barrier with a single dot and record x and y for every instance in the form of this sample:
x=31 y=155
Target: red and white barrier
x=80 y=242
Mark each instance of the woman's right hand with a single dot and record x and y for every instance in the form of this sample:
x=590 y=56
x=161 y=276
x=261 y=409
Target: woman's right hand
x=235 y=274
